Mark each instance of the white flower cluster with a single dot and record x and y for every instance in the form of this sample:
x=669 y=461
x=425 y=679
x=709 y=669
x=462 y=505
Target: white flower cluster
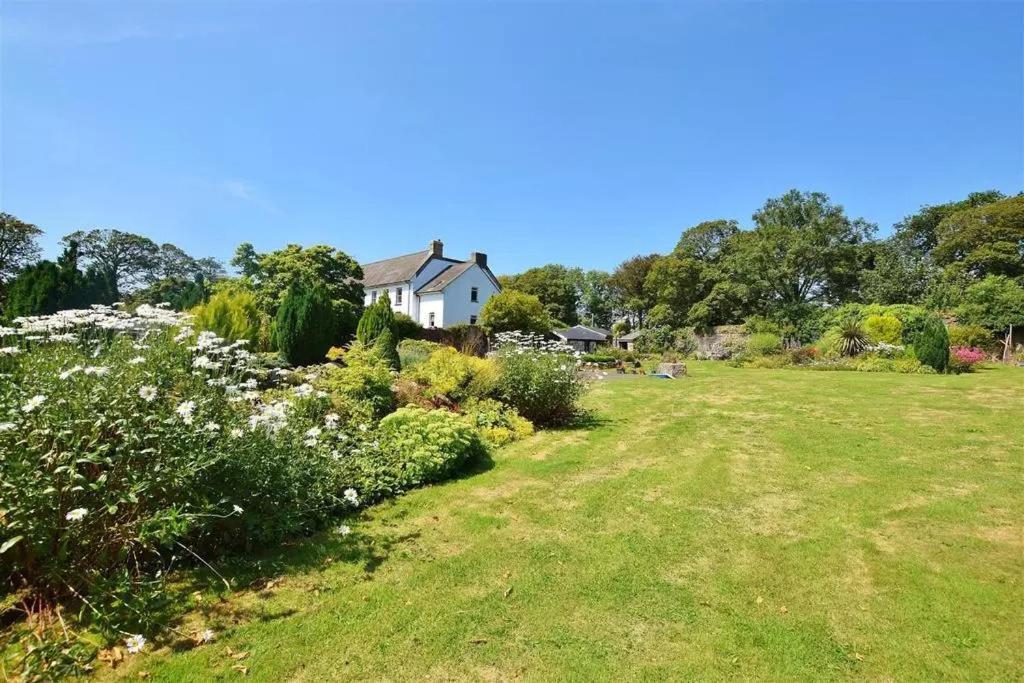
x=519 y=342
x=67 y=326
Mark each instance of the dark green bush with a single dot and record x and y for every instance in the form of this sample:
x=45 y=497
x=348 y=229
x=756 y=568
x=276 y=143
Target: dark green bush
x=387 y=346
x=405 y=327
x=932 y=344
x=304 y=327
x=375 y=319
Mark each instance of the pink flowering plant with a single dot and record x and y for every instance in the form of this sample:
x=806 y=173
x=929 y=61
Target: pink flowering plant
x=965 y=358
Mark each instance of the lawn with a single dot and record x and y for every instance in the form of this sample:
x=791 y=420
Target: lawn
x=751 y=523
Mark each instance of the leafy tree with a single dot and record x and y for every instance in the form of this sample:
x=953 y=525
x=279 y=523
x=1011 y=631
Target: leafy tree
x=18 y=247
x=127 y=259
x=984 y=240
x=675 y=282
x=181 y=293
x=803 y=249
x=895 y=273
x=996 y=303
x=512 y=310
x=920 y=232
x=628 y=282
x=304 y=325
x=46 y=287
x=706 y=241
x=246 y=259
x=597 y=299
x=557 y=287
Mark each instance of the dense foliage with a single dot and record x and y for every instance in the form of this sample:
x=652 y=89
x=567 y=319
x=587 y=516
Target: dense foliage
x=511 y=310
x=305 y=324
x=539 y=379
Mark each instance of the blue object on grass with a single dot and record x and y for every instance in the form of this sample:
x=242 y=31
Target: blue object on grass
x=660 y=375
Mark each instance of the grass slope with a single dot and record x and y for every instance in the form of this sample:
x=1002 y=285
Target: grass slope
x=750 y=523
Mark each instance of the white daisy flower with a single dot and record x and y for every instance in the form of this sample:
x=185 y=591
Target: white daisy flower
x=135 y=644
x=236 y=433
x=97 y=370
x=343 y=529
x=138 y=360
x=206 y=636
x=147 y=393
x=237 y=509
x=351 y=496
x=33 y=403
x=7 y=426
x=76 y=514
x=184 y=411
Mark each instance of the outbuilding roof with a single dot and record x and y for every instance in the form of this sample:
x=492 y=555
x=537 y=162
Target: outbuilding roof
x=581 y=333
x=631 y=336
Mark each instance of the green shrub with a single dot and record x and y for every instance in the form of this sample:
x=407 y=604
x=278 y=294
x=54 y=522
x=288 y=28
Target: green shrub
x=412 y=352
x=118 y=454
x=375 y=320
x=361 y=390
x=971 y=336
x=598 y=358
x=764 y=344
x=883 y=329
x=232 y=314
x=511 y=310
x=405 y=327
x=654 y=339
x=496 y=423
x=387 y=346
x=544 y=387
x=931 y=346
x=304 y=326
x=449 y=374
x=426 y=446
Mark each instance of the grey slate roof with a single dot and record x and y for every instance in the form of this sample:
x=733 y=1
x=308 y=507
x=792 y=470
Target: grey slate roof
x=397 y=269
x=445 y=277
x=581 y=333
x=630 y=337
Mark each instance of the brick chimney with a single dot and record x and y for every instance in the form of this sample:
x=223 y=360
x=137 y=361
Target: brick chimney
x=437 y=248
x=478 y=258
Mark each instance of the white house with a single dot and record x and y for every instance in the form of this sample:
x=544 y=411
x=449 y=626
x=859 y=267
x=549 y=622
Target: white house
x=432 y=289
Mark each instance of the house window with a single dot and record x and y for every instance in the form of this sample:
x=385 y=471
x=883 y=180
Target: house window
x=472 y=318
x=430 y=320
x=474 y=295
x=373 y=297
x=398 y=296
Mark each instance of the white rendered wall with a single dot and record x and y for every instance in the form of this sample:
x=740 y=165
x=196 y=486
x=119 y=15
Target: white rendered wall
x=431 y=303
x=457 y=305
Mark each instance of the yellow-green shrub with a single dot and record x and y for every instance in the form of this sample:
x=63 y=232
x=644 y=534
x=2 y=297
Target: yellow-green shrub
x=456 y=376
x=496 y=423
x=232 y=314
x=884 y=329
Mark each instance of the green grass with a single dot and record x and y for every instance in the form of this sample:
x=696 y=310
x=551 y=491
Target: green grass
x=750 y=523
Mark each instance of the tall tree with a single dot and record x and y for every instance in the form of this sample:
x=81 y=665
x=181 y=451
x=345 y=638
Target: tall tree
x=983 y=240
x=18 y=247
x=597 y=299
x=920 y=231
x=803 y=249
x=895 y=273
x=628 y=281
x=47 y=287
x=129 y=260
x=557 y=287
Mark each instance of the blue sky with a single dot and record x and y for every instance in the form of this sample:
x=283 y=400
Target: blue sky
x=576 y=132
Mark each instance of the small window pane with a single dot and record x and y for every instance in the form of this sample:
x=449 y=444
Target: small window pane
x=472 y=320
x=398 y=295
x=474 y=294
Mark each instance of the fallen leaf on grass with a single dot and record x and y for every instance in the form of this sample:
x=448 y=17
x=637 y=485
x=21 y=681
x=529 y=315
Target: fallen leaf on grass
x=783 y=609
x=244 y=670
x=477 y=641
x=508 y=592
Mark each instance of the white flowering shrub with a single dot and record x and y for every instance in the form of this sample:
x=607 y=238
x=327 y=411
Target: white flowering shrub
x=127 y=443
x=541 y=379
